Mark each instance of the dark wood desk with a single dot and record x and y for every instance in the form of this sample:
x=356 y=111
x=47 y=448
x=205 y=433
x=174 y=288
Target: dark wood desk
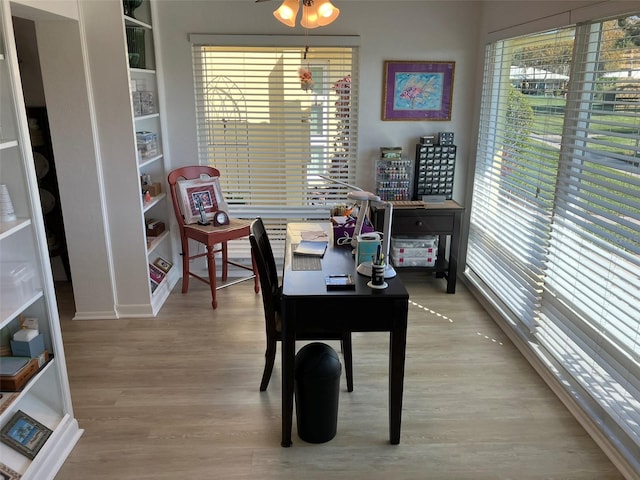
x=441 y=219
x=308 y=305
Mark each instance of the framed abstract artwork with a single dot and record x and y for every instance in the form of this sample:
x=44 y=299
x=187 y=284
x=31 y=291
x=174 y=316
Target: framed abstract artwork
x=417 y=90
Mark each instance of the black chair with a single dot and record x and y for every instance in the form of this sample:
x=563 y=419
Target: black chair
x=271 y=294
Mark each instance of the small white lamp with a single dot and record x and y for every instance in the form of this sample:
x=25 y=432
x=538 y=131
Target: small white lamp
x=364 y=198
x=365 y=267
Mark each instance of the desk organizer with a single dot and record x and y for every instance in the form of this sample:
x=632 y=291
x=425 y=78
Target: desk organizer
x=393 y=178
x=434 y=170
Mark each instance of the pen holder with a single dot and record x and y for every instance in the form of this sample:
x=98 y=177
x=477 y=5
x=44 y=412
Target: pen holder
x=377 y=276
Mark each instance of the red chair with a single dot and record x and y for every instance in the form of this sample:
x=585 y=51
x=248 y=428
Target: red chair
x=208 y=235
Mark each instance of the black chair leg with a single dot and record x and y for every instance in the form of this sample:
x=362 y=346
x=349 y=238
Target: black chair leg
x=269 y=360
x=348 y=360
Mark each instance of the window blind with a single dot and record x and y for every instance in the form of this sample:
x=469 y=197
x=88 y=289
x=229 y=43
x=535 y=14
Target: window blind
x=517 y=161
x=555 y=222
x=277 y=121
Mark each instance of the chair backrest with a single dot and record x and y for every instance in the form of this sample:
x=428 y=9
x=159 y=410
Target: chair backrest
x=267 y=270
x=187 y=173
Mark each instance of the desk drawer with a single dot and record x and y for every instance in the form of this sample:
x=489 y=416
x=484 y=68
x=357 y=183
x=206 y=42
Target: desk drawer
x=432 y=224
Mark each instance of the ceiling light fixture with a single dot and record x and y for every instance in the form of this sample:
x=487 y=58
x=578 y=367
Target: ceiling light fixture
x=315 y=13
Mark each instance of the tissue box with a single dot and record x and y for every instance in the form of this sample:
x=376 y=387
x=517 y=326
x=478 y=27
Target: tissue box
x=32 y=348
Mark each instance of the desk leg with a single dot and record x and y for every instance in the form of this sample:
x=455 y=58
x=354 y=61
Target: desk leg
x=440 y=257
x=397 y=349
x=454 y=251
x=288 y=363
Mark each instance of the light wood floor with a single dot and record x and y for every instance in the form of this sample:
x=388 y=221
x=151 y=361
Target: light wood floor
x=176 y=397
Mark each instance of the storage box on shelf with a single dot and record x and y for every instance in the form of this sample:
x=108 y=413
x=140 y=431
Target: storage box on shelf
x=409 y=251
x=32 y=348
x=147 y=143
x=17 y=283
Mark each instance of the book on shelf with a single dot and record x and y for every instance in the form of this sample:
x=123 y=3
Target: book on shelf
x=6 y=398
x=310 y=247
x=10 y=366
x=155 y=274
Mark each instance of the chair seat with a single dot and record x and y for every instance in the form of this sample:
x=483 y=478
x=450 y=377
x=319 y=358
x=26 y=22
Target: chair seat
x=237 y=228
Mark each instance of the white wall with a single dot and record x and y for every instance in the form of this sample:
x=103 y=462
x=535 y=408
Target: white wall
x=388 y=30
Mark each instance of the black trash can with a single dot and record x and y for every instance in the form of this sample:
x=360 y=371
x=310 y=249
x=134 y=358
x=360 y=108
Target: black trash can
x=317 y=389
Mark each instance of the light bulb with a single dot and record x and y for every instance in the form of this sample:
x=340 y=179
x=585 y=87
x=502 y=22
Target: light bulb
x=310 y=16
x=327 y=12
x=287 y=12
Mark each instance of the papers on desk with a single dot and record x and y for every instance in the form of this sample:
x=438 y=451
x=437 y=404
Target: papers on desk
x=314 y=235
x=310 y=247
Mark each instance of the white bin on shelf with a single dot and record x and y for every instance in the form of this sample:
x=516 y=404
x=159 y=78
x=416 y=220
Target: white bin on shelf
x=414 y=251
x=401 y=241
x=429 y=261
x=17 y=283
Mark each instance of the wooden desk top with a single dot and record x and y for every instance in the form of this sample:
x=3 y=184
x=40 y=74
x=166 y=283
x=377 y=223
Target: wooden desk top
x=336 y=260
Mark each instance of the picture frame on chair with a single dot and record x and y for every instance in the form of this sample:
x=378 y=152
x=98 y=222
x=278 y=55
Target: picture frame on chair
x=205 y=192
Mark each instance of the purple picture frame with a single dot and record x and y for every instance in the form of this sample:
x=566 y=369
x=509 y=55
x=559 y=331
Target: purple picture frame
x=417 y=90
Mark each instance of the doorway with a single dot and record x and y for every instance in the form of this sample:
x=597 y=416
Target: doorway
x=43 y=153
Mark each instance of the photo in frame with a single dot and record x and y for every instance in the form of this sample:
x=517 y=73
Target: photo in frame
x=417 y=90
x=7 y=473
x=25 y=434
x=162 y=264
x=200 y=191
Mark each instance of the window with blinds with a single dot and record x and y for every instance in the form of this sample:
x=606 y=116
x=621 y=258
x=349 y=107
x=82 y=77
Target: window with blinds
x=554 y=237
x=279 y=123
